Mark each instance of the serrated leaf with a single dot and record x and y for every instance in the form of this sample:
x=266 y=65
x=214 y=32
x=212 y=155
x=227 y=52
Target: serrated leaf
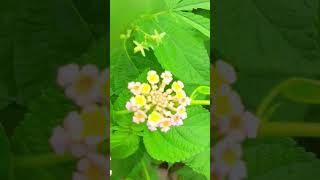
x=192 y=4
x=186 y=173
x=265 y=155
x=294 y=171
x=121 y=168
x=124 y=96
x=6 y=165
x=198 y=22
x=268 y=38
x=183 y=142
x=123 y=144
x=122 y=70
x=200 y=163
x=180 y=51
x=53 y=39
x=31 y=136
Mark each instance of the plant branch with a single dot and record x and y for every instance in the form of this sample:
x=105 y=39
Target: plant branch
x=146 y=173
x=289 y=129
x=122 y=112
x=200 y=102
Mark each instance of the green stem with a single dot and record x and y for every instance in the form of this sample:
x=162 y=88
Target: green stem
x=122 y=112
x=289 y=129
x=41 y=160
x=266 y=102
x=200 y=102
x=194 y=93
x=146 y=172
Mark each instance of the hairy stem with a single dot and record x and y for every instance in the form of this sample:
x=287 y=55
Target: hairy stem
x=289 y=129
x=122 y=112
x=146 y=172
x=200 y=102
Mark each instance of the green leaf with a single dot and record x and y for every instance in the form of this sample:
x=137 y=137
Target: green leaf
x=4 y=96
x=121 y=168
x=141 y=169
x=122 y=70
x=125 y=95
x=8 y=84
x=261 y=36
x=31 y=136
x=302 y=90
x=45 y=40
x=267 y=155
x=295 y=171
x=204 y=90
x=123 y=144
x=6 y=165
x=180 y=50
x=192 y=4
x=200 y=163
x=186 y=173
x=183 y=142
x=198 y=22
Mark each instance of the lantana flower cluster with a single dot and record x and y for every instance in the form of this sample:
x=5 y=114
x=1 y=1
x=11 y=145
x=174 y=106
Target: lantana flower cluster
x=231 y=125
x=160 y=102
x=83 y=132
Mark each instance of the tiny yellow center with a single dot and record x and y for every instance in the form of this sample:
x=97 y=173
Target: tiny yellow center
x=84 y=84
x=229 y=156
x=139 y=116
x=180 y=94
x=136 y=87
x=155 y=117
x=140 y=100
x=145 y=88
x=235 y=122
x=94 y=123
x=176 y=86
x=166 y=124
x=224 y=105
x=153 y=78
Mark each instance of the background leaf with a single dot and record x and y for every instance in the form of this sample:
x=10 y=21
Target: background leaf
x=41 y=37
x=198 y=22
x=123 y=144
x=122 y=70
x=6 y=165
x=200 y=163
x=192 y=4
x=180 y=50
x=265 y=157
x=183 y=142
x=32 y=135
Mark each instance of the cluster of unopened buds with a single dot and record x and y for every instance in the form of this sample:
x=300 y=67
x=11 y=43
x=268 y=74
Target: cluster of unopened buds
x=159 y=105
x=83 y=133
x=150 y=40
x=231 y=124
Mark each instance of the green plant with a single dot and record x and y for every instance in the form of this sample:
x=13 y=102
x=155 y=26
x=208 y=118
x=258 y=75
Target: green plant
x=160 y=91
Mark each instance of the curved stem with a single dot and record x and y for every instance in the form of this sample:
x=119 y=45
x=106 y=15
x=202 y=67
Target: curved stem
x=122 y=112
x=268 y=99
x=200 y=102
x=289 y=129
x=146 y=173
x=41 y=160
x=194 y=93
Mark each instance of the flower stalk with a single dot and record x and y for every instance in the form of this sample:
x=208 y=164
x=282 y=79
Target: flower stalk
x=289 y=129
